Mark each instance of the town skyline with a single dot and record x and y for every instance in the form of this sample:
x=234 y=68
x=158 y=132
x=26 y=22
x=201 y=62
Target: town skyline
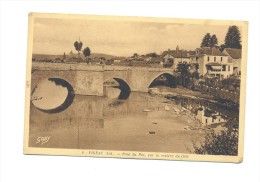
x=54 y=36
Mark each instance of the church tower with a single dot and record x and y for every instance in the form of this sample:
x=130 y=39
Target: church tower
x=177 y=48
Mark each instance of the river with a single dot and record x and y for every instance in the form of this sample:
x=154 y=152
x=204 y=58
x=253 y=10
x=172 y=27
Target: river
x=133 y=122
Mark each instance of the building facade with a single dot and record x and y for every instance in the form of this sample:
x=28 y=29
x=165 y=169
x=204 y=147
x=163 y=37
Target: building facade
x=172 y=58
x=234 y=56
x=212 y=63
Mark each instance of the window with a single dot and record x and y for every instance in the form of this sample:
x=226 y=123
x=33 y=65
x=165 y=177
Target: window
x=214 y=59
x=221 y=58
x=206 y=121
x=228 y=67
x=208 y=58
x=223 y=67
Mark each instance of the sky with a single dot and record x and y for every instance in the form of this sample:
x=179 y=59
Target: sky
x=118 y=38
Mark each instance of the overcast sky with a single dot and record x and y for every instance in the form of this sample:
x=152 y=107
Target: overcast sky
x=56 y=36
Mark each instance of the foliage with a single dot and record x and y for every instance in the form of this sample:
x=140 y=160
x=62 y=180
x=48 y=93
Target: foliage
x=230 y=83
x=233 y=38
x=194 y=74
x=212 y=82
x=222 y=47
x=135 y=55
x=196 y=66
x=222 y=143
x=206 y=40
x=214 y=41
x=183 y=69
x=153 y=54
x=78 y=46
x=209 y=41
x=86 y=52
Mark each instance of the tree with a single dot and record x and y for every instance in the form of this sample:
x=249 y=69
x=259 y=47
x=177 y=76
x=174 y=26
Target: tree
x=233 y=38
x=135 y=55
x=86 y=53
x=214 y=41
x=195 y=75
x=222 y=47
x=209 y=41
x=206 y=41
x=183 y=69
x=153 y=54
x=78 y=45
x=197 y=66
x=223 y=143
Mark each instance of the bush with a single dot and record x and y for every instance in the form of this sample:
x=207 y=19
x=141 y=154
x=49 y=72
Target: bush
x=222 y=143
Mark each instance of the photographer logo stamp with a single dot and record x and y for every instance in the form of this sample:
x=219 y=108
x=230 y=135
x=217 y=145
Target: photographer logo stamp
x=42 y=139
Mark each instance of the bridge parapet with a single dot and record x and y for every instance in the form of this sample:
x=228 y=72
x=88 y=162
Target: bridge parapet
x=66 y=66
x=116 y=68
x=86 y=67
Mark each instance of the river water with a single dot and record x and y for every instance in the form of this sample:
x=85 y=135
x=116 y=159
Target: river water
x=138 y=122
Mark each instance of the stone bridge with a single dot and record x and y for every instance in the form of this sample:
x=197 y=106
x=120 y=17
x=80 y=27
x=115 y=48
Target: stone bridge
x=89 y=79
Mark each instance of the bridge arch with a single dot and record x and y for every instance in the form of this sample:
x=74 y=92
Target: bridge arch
x=45 y=93
x=123 y=86
x=171 y=79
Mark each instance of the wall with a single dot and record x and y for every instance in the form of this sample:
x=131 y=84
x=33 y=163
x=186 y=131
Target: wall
x=180 y=60
x=203 y=61
x=237 y=64
x=79 y=80
x=202 y=67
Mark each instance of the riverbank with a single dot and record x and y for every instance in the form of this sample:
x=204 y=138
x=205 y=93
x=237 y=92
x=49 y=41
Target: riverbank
x=181 y=91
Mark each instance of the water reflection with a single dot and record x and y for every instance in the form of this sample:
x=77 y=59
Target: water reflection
x=207 y=117
x=52 y=95
x=116 y=88
x=109 y=123
x=206 y=112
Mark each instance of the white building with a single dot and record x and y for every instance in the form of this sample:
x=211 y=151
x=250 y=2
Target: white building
x=212 y=62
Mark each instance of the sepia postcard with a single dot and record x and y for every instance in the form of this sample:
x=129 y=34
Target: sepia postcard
x=135 y=87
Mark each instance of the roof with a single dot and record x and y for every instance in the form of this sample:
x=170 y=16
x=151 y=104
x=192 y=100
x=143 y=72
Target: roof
x=177 y=54
x=234 y=53
x=211 y=51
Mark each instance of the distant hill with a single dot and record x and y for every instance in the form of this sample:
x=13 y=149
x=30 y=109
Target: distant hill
x=46 y=56
x=52 y=57
x=98 y=55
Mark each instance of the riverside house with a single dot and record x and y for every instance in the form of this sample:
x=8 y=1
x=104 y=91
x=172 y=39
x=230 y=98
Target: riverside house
x=172 y=58
x=212 y=62
x=234 y=56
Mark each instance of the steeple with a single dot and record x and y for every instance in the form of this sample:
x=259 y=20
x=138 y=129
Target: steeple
x=177 y=48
